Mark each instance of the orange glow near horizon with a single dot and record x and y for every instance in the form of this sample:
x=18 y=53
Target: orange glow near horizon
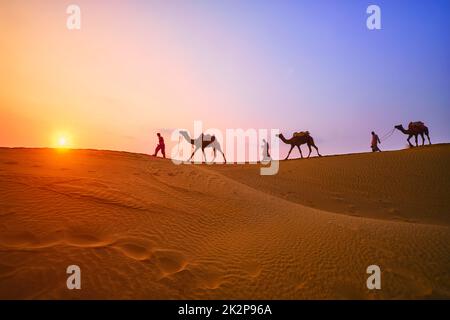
x=62 y=140
x=142 y=67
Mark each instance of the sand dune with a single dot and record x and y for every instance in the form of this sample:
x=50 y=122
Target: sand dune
x=141 y=227
x=411 y=185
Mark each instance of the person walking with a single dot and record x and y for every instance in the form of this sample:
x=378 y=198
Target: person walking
x=375 y=142
x=266 y=154
x=161 y=146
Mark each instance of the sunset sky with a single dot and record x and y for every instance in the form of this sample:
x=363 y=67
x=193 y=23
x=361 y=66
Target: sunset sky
x=140 y=67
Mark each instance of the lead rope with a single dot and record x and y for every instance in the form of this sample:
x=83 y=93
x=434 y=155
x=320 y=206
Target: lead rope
x=387 y=135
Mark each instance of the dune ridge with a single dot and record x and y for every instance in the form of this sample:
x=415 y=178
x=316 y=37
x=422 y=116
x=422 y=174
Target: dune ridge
x=141 y=227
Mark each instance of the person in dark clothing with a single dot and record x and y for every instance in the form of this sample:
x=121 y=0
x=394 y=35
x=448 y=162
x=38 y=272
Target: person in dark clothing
x=161 y=146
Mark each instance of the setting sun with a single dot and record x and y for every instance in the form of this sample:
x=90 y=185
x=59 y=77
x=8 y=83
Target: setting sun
x=62 y=141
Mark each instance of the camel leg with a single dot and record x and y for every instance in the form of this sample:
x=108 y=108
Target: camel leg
x=217 y=147
x=428 y=135
x=292 y=147
x=317 y=149
x=410 y=144
x=300 y=149
x=415 y=138
x=423 y=138
x=311 y=143
x=223 y=154
x=309 y=147
x=214 y=156
x=204 y=155
x=195 y=150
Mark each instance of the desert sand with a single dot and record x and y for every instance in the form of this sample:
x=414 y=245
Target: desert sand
x=144 y=228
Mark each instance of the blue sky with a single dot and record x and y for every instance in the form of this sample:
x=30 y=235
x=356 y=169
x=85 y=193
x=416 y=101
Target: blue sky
x=137 y=67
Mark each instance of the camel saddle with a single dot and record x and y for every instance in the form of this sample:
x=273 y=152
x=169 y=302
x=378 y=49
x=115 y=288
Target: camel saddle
x=301 y=134
x=416 y=125
x=208 y=137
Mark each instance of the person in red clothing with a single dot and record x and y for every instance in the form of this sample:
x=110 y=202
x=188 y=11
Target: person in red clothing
x=375 y=142
x=161 y=146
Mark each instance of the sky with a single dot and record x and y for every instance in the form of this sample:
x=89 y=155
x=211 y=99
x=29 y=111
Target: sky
x=140 y=67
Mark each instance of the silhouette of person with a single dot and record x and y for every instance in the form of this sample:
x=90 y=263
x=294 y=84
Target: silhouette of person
x=161 y=146
x=375 y=142
x=266 y=154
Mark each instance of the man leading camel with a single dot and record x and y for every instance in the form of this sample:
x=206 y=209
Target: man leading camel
x=266 y=154
x=161 y=146
x=375 y=142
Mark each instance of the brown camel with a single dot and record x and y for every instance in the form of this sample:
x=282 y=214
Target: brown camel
x=203 y=141
x=298 y=140
x=415 y=129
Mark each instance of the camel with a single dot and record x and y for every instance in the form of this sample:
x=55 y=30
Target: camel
x=203 y=141
x=415 y=129
x=298 y=140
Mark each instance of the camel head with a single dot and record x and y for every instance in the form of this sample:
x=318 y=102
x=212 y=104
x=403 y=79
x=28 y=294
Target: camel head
x=399 y=127
x=184 y=133
x=279 y=135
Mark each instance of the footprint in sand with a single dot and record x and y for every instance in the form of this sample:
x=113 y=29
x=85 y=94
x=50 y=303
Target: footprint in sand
x=169 y=261
x=134 y=248
x=27 y=240
x=209 y=280
x=84 y=240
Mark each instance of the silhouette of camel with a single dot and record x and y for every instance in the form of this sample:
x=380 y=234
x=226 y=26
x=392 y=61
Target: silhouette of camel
x=203 y=141
x=298 y=140
x=415 y=129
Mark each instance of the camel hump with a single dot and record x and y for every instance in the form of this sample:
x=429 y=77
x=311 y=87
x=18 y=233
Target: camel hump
x=301 y=134
x=416 y=125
